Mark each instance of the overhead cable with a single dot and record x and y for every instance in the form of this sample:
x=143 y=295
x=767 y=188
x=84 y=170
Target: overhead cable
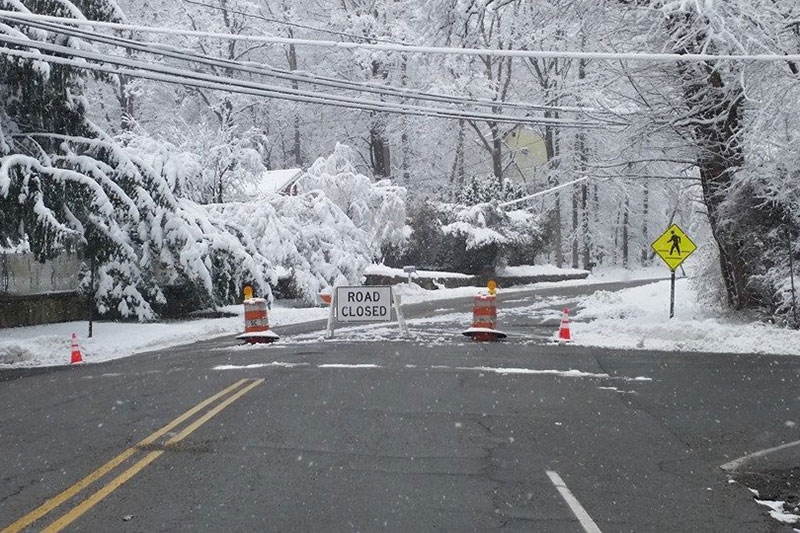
x=541 y=193
x=295 y=24
x=298 y=76
x=137 y=69
x=485 y=52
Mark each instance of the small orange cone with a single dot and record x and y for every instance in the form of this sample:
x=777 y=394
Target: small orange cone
x=76 y=351
x=564 y=335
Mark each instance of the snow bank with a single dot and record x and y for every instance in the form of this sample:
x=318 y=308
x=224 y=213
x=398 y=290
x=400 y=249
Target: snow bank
x=638 y=318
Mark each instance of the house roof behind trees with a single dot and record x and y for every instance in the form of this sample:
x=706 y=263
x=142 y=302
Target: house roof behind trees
x=275 y=182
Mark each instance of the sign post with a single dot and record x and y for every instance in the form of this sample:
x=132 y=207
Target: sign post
x=410 y=269
x=673 y=247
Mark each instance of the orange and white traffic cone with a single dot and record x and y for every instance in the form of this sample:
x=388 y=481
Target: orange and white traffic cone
x=76 y=351
x=564 y=335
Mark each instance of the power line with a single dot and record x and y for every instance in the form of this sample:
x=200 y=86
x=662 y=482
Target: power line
x=199 y=80
x=536 y=54
x=295 y=24
x=646 y=177
x=269 y=71
x=541 y=193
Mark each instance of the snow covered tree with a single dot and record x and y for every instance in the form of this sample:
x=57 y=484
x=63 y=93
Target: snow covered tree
x=336 y=226
x=725 y=116
x=66 y=185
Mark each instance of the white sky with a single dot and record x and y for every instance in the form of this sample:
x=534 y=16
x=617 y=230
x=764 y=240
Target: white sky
x=629 y=319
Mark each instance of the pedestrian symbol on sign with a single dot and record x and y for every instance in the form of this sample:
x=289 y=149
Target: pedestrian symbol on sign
x=676 y=243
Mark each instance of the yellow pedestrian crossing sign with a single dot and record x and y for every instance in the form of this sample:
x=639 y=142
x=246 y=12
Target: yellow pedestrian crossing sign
x=674 y=246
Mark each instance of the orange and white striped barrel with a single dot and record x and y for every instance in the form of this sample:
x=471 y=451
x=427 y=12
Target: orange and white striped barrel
x=256 y=321
x=256 y=318
x=484 y=311
x=484 y=319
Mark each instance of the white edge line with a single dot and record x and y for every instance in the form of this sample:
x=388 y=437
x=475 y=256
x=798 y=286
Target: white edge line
x=577 y=509
x=736 y=463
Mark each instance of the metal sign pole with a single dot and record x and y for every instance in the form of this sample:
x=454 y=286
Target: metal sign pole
x=401 y=321
x=672 y=295
x=331 y=317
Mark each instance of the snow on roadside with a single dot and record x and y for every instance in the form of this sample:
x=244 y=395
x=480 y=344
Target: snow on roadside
x=638 y=318
x=635 y=318
x=383 y=270
x=49 y=344
x=537 y=270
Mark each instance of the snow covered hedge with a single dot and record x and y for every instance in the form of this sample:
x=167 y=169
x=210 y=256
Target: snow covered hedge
x=470 y=239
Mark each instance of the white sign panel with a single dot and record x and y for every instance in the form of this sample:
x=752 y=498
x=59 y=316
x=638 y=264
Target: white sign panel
x=364 y=304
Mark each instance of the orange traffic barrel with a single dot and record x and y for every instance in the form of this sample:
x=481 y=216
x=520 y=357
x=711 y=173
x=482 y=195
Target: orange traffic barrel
x=256 y=322
x=484 y=319
x=484 y=311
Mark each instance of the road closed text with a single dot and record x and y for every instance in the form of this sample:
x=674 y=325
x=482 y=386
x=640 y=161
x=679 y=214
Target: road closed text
x=363 y=304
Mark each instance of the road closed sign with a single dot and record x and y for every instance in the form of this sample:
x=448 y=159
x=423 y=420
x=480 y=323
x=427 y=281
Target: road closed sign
x=364 y=304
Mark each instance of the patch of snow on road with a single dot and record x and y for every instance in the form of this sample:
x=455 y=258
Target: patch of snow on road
x=277 y=364
x=778 y=513
x=343 y=365
x=563 y=373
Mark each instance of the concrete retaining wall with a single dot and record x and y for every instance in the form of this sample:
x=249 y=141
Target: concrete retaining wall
x=34 y=293
x=472 y=281
x=33 y=309
x=425 y=283
x=23 y=274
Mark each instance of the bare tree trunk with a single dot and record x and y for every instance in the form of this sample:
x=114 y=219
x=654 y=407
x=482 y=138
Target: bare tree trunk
x=587 y=262
x=557 y=237
x=126 y=104
x=405 y=145
x=599 y=248
x=497 y=153
x=625 y=232
x=552 y=148
x=380 y=155
x=583 y=157
x=457 y=172
x=576 y=200
x=406 y=168
x=584 y=202
x=220 y=188
x=645 y=216
x=379 y=149
x=267 y=149
x=297 y=152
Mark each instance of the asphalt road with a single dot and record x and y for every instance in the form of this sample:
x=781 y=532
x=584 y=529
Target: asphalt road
x=370 y=431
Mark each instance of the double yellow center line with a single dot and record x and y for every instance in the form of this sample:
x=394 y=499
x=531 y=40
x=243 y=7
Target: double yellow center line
x=241 y=387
